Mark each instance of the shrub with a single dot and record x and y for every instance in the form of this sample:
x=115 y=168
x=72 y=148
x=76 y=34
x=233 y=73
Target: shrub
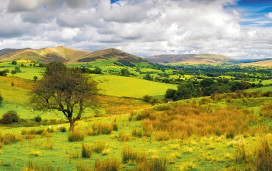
x=99 y=146
x=147 y=98
x=170 y=93
x=86 y=151
x=10 y=117
x=38 y=119
x=107 y=165
x=75 y=135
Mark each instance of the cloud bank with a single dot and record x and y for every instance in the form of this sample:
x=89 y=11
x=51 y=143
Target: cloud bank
x=141 y=27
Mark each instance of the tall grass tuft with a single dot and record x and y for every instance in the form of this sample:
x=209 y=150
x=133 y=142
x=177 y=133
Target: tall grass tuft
x=75 y=135
x=8 y=138
x=124 y=137
x=99 y=146
x=107 y=165
x=102 y=128
x=157 y=164
x=130 y=155
x=86 y=151
x=264 y=156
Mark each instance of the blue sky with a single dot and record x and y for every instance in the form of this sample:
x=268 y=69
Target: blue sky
x=238 y=29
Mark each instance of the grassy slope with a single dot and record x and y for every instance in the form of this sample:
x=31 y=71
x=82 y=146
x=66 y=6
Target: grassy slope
x=131 y=87
x=210 y=153
x=265 y=63
x=190 y=59
x=46 y=54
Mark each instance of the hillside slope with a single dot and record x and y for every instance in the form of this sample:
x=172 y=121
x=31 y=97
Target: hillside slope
x=67 y=55
x=110 y=54
x=264 y=63
x=59 y=53
x=190 y=59
x=8 y=50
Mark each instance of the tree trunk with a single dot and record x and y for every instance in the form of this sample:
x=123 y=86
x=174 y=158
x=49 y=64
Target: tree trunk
x=72 y=125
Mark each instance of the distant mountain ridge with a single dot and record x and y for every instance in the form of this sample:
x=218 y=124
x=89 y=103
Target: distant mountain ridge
x=191 y=59
x=66 y=55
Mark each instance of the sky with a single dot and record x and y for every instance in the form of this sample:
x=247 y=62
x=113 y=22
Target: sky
x=240 y=29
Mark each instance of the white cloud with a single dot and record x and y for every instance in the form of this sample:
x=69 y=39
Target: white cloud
x=69 y=33
x=143 y=27
x=269 y=15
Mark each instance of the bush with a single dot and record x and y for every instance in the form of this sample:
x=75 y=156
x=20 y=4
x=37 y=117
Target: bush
x=147 y=98
x=107 y=165
x=10 y=117
x=170 y=93
x=38 y=119
x=75 y=135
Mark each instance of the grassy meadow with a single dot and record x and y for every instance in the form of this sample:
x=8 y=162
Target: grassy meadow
x=229 y=131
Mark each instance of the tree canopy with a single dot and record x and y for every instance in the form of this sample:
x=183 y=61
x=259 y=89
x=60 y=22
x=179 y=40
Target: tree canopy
x=64 y=89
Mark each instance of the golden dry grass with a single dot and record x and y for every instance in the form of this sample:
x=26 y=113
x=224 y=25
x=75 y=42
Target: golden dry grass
x=189 y=119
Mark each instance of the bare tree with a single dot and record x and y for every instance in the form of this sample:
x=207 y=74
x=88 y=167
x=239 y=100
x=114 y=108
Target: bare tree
x=64 y=89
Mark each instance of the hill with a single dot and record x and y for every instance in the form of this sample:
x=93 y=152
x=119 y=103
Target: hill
x=6 y=51
x=67 y=55
x=190 y=59
x=263 y=62
x=59 y=53
x=110 y=54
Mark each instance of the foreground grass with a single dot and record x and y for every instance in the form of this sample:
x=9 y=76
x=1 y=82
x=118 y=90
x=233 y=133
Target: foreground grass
x=107 y=137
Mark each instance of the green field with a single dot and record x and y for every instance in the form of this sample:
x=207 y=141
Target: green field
x=131 y=87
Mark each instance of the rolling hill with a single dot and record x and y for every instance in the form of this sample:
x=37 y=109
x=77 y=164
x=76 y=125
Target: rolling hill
x=110 y=54
x=263 y=62
x=67 y=55
x=8 y=50
x=46 y=55
x=191 y=59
